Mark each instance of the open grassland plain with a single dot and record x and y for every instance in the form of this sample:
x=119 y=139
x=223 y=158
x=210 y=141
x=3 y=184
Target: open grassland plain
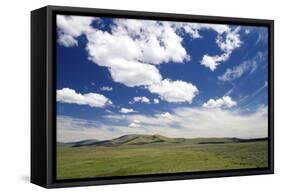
x=161 y=156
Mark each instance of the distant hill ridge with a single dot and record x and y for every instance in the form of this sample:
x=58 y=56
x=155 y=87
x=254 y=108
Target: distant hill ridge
x=136 y=139
x=78 y=143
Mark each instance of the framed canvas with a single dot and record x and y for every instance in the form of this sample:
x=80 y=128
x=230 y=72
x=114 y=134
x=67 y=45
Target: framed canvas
x=126 y=96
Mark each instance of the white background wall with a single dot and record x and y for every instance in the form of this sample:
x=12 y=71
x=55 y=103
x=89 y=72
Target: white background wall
x=15 y=94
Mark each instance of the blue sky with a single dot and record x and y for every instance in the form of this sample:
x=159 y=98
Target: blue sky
x=121 y=76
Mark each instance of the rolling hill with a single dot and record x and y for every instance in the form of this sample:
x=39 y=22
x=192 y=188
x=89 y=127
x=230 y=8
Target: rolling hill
x=135 y=139
x=77 y=143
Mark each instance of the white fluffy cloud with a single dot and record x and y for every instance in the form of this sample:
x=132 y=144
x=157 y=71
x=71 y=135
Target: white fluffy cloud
x=193 y=28
x=156 y=101
x=224 y=102
x=70 y=27
x=246 y=66
x=157 y=42
x=227 y=42
x=230 y=42
x=165 y=115
x=131 y=52
x=67 y=95
x=127 y=110
x=105 y=88
x=131 y=62
x=141 y=99
x=118 y=54
x=174 y=91
x=133 y=48
x=213 y=61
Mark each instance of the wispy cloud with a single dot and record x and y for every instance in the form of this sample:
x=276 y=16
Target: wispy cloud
x=260 y=89
x=249 y=99
x=135 y=123
x=247 y=31
x=229 y=92
x=190 y=122
x=246 y=66
x=105 y=88
x=262 y=35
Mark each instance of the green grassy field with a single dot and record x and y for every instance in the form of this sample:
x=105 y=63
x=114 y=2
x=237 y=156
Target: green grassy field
x=162 y=157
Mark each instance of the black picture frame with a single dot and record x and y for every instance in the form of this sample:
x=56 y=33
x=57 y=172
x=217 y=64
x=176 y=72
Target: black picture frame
x=43 y=96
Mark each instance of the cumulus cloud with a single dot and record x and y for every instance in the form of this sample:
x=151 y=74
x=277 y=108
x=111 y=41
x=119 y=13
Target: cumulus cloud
x=132 y=50
x=67 y=95
x=70 y=27
x=246 y=66
x=157 y=41
x=131 y=61
x=141 y=99
x=165 y=115
x=228 y=39
x=117 y=53
x=230 y=42
x=127 y=110
x=193 y=29
x=224 y=102
x=227 y=43
x=105 y=88
x=174 y=91
x=213 y=61
x=156 y=101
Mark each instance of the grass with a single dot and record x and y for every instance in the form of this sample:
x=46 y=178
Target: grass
x=123 y=160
